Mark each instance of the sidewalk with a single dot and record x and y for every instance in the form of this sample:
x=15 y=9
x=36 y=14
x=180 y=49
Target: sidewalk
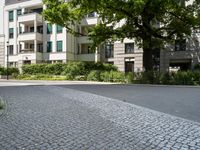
x=44 y=82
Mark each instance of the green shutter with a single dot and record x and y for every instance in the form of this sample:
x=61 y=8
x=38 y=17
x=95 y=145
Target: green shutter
x=11 y=16
x=49 y=28
x=49 y=47
x=59 y=46
x=59 y=29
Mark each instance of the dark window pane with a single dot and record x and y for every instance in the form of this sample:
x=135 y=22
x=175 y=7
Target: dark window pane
x=109 y=49
x=11 y=16
x=49 y=28
x=19 y=12
x=59 y=29
x=59 y=46
x=49 y=47
x=180 y=45
x=129 y=48
x=11 y=34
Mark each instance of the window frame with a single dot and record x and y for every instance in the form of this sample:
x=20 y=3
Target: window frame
x=11 y=34
x=59 y=29
x=19 y=10
x=131 y=51
x=109 y=50
x=180 y=45
x=11 y=16
x=49 y=46
x=11 y=47
x=58 y=43
x=48 y=30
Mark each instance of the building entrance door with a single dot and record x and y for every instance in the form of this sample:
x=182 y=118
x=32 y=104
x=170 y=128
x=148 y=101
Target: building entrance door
x=129 y=66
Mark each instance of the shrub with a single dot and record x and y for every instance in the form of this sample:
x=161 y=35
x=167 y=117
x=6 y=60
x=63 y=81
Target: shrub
x=196 y=77
x=149 y=77
x=99 y=66
x=197 y=67
x=74 y=69
x=2 y=104
x=112 y=76
x=105 y=76
x=52 y=69
x=130 y=77
x=11 y=71
x=94 y=75
x=183 y=78
x=166 y=78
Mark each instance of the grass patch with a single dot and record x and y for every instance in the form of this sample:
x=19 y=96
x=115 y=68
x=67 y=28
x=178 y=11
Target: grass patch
x=2 y=104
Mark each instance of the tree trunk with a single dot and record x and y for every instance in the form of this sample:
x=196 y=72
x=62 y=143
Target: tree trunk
x=147 y=53
x=147 y=59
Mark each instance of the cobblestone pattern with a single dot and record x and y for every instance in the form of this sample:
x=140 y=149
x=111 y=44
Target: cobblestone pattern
x=50 y=117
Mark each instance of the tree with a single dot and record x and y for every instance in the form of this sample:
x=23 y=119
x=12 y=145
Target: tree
x=152 y=23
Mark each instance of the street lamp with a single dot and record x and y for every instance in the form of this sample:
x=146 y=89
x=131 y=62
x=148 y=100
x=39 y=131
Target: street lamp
x=7 y=76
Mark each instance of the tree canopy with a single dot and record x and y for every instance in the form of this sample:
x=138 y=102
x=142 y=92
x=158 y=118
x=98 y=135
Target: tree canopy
x=152 y=23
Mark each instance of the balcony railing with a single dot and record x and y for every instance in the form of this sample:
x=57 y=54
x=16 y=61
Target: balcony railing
x=30 y=32
x=26 y=51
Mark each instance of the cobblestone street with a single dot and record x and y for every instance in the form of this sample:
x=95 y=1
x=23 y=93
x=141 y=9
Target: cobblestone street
x=52 y=117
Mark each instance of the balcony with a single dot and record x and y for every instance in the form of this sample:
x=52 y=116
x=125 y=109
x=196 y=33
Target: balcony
x=30 y=36
x=83 y=39
x=90 y=19
x=26 y=51
x=26 y=17
x=87 y=57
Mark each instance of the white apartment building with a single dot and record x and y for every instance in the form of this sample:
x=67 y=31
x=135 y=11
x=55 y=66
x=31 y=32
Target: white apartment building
x=32 y=40
x=29 y=39
x=2 y=41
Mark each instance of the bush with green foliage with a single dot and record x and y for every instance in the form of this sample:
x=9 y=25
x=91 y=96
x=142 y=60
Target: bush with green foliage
x=2 y=104
x=41 y=77
x=52 y=69
x=130 y=76
x=112 y=76
x=11 y=71
x=94 y=75
x=150 y=77
x=73 y=69
x=197 y=67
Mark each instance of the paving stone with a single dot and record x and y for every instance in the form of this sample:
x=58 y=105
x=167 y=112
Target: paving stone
x=52 y=117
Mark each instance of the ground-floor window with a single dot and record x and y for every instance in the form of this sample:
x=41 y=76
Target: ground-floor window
x=26 y=62
x=129 y=66
x=183 y=65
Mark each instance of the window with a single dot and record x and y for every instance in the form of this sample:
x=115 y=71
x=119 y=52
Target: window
x=129 y=66
x=59 y=29
x=109 y=49
x=129 y=48
x=49 y=28
x=10 y=16
x=59 y=46
x=31 y=29
x=20 y=30
x=49 y=47
x=180 y=45
x=10 y=50
x=40 y=47
x=90 y=15
x=11 y=34
x=19 y=12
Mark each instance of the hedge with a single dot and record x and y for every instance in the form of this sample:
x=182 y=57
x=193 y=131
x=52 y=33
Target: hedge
x=69 y=69
x=11 y=71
